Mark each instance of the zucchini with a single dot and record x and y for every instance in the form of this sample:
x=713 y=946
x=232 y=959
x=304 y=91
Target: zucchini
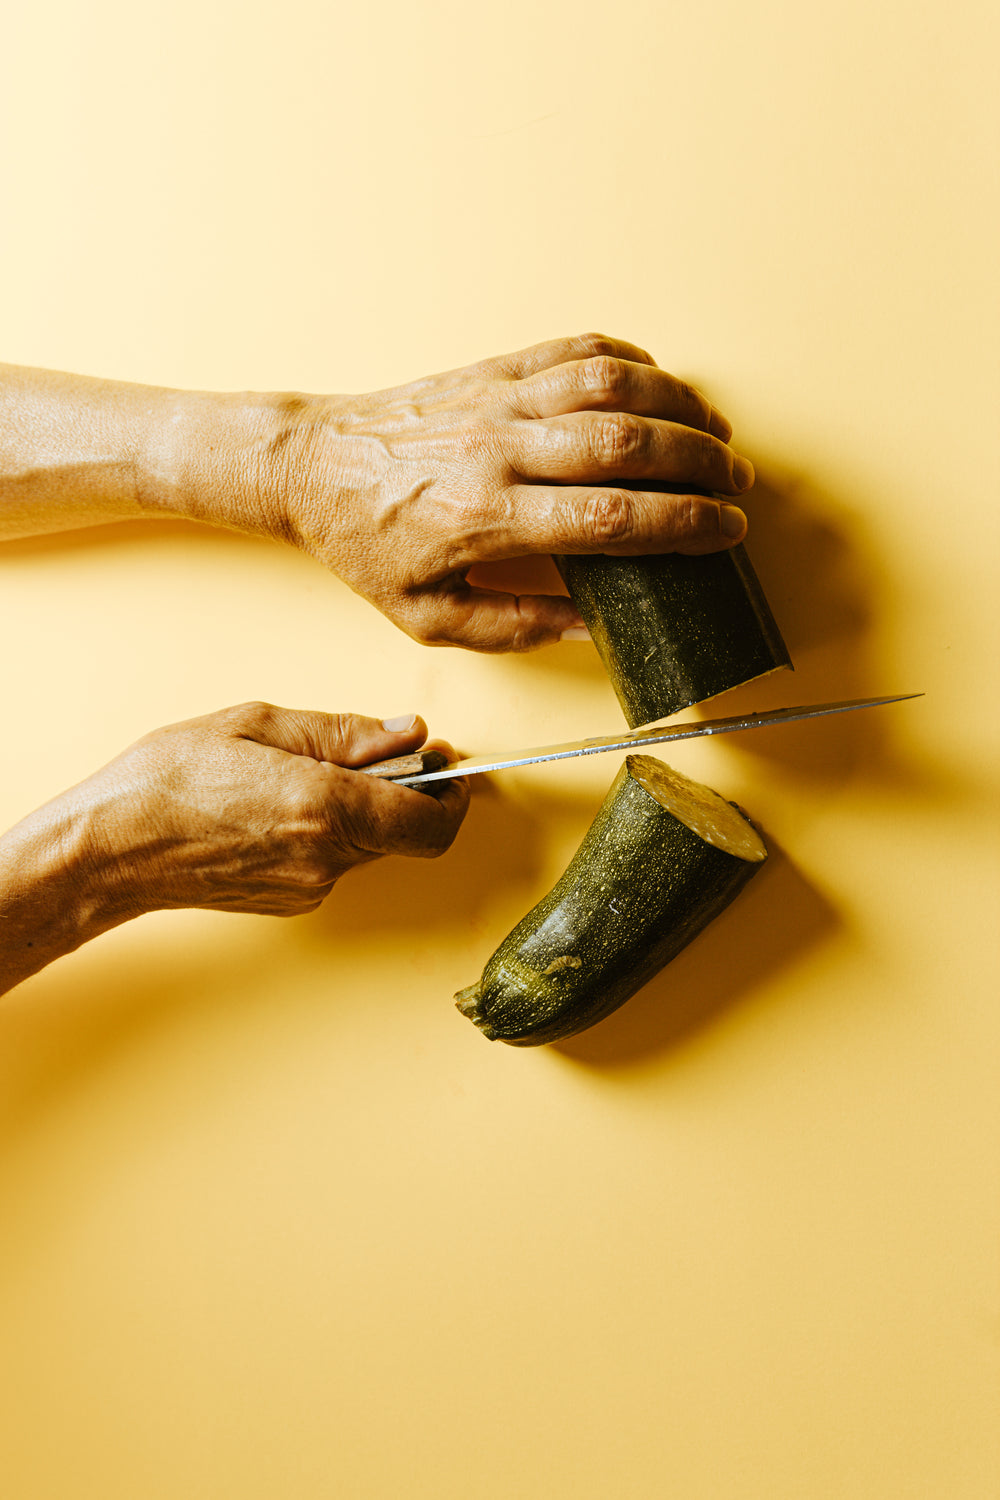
x=662 y=858
x=674 y=630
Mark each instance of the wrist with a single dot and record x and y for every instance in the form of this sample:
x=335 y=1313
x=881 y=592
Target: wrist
x=238 y=459
x=54 y=895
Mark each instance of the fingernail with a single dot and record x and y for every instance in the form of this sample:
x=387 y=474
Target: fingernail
x=732 y=521
x=742 y=473
x=400 y=725
x=576 y=633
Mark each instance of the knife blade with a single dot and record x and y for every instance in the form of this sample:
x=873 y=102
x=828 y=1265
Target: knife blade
x=426 y=766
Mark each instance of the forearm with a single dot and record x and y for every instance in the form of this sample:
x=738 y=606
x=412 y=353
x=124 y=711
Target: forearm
x=52 y=897
x=79 y=451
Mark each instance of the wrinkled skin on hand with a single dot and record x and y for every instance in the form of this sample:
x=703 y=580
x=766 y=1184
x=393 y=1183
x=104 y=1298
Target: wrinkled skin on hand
x=253 y=809
x=555 y=448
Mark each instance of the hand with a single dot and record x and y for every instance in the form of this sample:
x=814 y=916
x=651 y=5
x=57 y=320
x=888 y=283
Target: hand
x=256 y=809
x=252 y=809
x=564 y=447
x=557 y=448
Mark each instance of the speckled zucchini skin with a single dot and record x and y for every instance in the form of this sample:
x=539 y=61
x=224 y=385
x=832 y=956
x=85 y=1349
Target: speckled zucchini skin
x=674 y=630
x=638 y=889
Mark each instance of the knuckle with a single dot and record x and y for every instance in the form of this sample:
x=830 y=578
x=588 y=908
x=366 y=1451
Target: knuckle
x=412 y=611
x=691 y=519
x=341 y=731
x=717 y=456
x=316 y=877
x=426 y=630
x=703 y=457
x=594 y=345
x=699 y=408
x=694 y=524
x=616 y=439
x=609 y=518
x=255 y=712
x=604 y=376
x=523 y=639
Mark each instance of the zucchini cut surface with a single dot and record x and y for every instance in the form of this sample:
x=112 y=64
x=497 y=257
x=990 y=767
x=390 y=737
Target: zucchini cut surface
x=663 y=857
x=674 y=630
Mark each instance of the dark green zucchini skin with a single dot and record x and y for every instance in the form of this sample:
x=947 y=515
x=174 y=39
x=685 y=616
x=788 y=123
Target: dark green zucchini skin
x=638 y=889
x=673 y=630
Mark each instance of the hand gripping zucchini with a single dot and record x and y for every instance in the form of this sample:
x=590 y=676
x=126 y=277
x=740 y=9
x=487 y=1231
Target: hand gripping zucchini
x=662 y=858
x=673 y=630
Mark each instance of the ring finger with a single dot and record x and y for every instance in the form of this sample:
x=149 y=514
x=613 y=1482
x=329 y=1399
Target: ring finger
x=601 y=448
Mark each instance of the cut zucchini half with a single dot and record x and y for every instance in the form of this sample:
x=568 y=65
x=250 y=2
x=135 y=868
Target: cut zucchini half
x=662 y=858
x=674 y=630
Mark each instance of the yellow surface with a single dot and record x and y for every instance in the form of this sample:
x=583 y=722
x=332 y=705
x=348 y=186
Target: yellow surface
x=275 y=1222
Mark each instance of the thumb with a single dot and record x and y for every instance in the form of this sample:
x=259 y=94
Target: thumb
x=340 y=739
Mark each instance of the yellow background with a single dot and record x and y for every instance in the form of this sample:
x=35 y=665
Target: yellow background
x=275 y=1221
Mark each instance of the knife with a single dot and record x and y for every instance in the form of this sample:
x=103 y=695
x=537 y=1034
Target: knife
x=426 y=766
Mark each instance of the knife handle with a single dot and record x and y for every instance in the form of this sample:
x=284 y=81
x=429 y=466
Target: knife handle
x=406 y=765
